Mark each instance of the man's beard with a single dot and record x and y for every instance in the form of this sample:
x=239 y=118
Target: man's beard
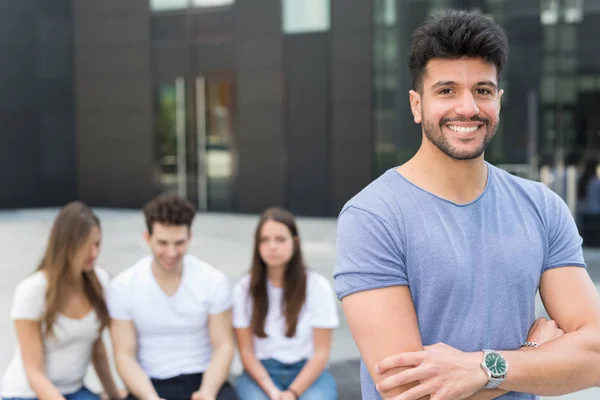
x=438 y=138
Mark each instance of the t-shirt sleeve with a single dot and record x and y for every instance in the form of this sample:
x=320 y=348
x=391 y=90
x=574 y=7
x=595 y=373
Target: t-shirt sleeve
x=221 y=299
x=241 y=306
x=118 y=300
x=324 y=308
x=370 y=254
x=564 y=241
x=29 y=300
x=103 y=277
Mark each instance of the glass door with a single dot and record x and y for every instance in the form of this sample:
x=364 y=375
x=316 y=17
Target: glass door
x=196 y=152
x=171 y=132
x=215 y=141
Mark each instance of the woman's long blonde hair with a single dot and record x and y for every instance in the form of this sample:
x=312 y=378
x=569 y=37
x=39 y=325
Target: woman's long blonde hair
x=70 y=231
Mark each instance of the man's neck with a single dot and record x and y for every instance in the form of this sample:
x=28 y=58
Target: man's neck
x=459 y=181
x=163 y=275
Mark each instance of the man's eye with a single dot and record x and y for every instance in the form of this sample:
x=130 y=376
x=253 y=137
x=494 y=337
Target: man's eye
x=445 y=91
x=484 y=92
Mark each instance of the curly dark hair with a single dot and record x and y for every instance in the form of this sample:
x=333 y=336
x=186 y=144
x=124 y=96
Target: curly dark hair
x=169 y=209
x=455 y=34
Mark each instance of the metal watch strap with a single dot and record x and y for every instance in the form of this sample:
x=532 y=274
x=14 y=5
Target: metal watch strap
x=530 y=344
x=493 y=383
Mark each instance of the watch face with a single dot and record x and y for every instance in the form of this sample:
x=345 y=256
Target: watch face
x=496 y=364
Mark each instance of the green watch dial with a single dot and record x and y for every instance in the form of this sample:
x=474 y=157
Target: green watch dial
x=496 y=364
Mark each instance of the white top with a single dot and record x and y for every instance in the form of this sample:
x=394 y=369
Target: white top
x=172 y=331
x=319 y=311
x=67 y=352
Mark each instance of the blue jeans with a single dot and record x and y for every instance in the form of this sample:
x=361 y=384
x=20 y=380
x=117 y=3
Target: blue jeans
x=82 y=394
x=324 y=388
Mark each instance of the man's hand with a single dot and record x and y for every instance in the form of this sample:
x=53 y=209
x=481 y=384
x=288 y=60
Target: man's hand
x=543 y=331
x=201 y=396
x=287 y=395
x=443 y=372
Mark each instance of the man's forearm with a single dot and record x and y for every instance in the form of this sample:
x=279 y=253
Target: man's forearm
x=564 y=365
x=135 y=379
x=218 y=369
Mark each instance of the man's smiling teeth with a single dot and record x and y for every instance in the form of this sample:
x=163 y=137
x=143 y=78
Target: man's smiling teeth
x=463 y=129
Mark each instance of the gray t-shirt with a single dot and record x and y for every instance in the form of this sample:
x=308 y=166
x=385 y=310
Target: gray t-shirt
x=473 y=269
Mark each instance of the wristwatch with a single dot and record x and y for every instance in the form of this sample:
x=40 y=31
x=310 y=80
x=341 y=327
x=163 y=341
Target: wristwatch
x=495 y=366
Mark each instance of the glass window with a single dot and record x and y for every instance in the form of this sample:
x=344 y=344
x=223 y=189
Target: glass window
x=568 y=38
x=211 y=3
x=548 y=92
x=159 y=5
x=301 y=16
x=573 y=11
x=549 y=12
x=586 y=83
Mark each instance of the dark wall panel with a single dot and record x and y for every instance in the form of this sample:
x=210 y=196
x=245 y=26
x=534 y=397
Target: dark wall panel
x=261 y=150
x=351 y=82
x=115 y=147
x=36 y=115
x=307 y=128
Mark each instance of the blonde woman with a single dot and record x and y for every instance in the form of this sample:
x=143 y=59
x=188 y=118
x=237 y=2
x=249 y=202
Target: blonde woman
x=59 y=313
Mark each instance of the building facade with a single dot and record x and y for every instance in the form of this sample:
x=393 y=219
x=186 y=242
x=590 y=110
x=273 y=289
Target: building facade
x=244 y=104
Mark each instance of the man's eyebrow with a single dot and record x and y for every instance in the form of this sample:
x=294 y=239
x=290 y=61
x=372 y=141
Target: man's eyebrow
x=487 y=83
x=443 y=83
x=452 y=83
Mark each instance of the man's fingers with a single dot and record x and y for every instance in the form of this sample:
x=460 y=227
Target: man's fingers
x=418 y=392
x=405 y=377
x=400 y=360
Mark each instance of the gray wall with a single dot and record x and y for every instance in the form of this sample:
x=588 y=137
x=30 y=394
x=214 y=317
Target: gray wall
x=307 y=123
x=36 y=109
x=114 y=118
x=351 y=96
x=260 y=107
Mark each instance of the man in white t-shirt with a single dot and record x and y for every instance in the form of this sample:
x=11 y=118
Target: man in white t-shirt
x=171 y=314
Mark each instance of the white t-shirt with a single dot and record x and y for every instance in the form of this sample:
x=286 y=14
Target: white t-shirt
x=67 y=352
x=319 y=311
x=172 y=331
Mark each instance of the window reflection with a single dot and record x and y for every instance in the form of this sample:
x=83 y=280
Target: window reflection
x=300 y=16
x=160 y=5
x=220 y=162
x=211 y=3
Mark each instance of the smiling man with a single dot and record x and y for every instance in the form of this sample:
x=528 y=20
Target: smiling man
x=171 y=322
x=440 y=259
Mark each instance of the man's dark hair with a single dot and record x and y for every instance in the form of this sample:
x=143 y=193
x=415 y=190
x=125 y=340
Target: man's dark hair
x=455 y=34
x=169 y=209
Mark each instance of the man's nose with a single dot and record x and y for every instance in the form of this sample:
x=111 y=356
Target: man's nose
x=467 y=106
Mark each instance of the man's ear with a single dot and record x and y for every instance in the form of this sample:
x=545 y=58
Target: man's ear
x=147 y=237
x=415 y=106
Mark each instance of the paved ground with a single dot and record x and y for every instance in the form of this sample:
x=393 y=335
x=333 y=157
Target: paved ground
x=221 y=239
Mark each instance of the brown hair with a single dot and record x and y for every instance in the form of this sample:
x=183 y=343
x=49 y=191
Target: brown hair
x=294 y=287
x=169 y=209
x=70 y=231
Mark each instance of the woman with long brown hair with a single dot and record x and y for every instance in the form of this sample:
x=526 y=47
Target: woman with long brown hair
x=59 y=313
x=284 y=316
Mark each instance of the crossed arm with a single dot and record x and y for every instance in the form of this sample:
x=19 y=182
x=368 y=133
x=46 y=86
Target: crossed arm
x=407 y=371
